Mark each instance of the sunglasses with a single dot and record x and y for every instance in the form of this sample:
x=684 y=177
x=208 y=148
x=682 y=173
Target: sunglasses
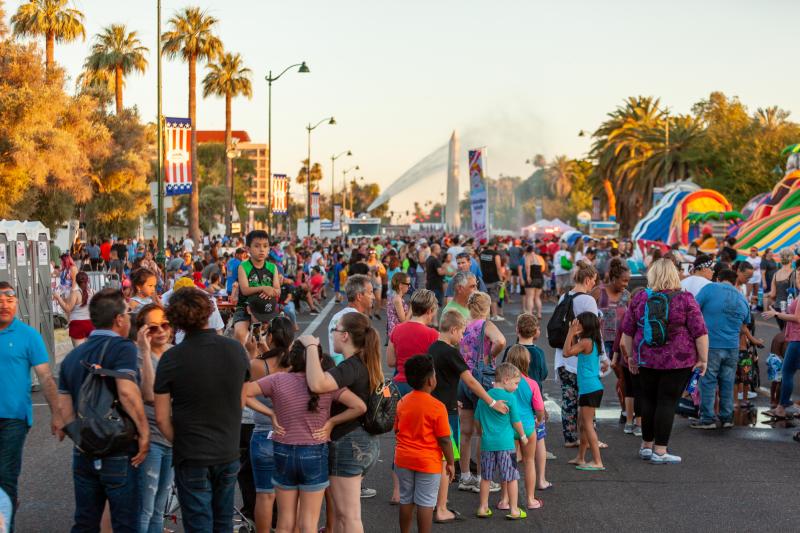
x=8 y=293
x=164 y=326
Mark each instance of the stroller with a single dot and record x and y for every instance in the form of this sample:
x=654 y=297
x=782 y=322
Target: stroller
x=240 y=523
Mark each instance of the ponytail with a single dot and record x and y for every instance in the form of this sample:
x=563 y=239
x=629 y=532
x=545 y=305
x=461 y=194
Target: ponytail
x=82 y=279
x=367 y=343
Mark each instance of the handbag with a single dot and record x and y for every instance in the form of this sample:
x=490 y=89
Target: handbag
x=483 y=371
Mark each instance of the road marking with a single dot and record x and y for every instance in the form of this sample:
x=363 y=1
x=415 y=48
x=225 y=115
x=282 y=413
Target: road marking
x=603 y=413
x=319 y=318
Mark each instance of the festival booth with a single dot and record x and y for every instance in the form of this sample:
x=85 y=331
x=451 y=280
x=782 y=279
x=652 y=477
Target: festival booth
x=774 y=218
x=544 y=228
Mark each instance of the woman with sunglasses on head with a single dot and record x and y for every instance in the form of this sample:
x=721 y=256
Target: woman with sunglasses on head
x=352 y=451
x=153 y=339
x=272 y=356
x=397 y=308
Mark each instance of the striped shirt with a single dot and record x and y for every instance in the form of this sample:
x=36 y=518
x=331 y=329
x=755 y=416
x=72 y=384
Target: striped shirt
x=289 y=393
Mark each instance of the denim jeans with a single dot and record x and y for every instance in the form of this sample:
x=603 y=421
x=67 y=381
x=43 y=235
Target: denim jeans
x=116 y=481
x=206 y=496
x=290 y=311
x=721 y=371
x=791 y=364
x=155 y=481
x=12 y=440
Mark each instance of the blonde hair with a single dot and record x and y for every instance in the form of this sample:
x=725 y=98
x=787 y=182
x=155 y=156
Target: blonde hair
x=452 y=319
x=585 y=271
x=506 y=371
x=520 y=357
x=479 y=305
x=786 y=256
x=663 y=276
x=527 y=324
x=422 y=301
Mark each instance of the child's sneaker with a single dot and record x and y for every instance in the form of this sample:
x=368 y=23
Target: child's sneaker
x=645 y=454
x=629 y=429
x=493 y=487
x=637 y=431
x=470 y=484
x=664 y=459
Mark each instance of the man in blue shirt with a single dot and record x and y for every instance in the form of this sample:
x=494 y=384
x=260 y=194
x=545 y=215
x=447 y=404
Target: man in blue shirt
x=726 y=314
x=21 y=348
x=233 y=269
x=113 y=478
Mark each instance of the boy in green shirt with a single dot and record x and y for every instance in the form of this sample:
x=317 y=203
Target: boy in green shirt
x=257 y=279
x=497 y=442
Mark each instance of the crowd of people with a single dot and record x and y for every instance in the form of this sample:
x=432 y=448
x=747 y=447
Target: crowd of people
x=218 y=388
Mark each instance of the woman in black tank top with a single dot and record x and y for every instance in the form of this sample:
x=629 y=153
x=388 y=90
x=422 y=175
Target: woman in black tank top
x=533 y=273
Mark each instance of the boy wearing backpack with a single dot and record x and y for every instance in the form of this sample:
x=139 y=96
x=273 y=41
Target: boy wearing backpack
x=423 y=436
x=112 y=477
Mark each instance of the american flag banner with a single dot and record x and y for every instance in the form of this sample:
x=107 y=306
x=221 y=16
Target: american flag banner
x=315 y=206
x=280 y=189
x=178 y=155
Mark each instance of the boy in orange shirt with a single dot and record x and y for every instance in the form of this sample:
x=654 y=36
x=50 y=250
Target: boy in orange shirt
x=423 y=435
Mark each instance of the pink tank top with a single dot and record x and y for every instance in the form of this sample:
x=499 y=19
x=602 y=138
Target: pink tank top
x=792 y=331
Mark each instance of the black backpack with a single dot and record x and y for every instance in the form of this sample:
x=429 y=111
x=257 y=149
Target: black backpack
x=101 y=426
x=558 y=325
x=381 y=408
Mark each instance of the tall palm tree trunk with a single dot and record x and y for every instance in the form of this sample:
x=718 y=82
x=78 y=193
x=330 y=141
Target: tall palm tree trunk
x=228 y=166
x=50 y=41
x=194 y=201
x=118 y=87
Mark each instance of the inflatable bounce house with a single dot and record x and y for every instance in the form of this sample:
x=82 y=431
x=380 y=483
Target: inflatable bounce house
x=774 y=218
x=669 y=219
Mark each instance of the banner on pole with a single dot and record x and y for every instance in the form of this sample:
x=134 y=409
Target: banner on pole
x=478 y=196
x=280 y=185
x=177 y=155
x=337 y=215
x=314 y=206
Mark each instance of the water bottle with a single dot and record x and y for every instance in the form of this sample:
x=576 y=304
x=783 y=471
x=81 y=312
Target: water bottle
x=692 y=386
x=789 y=300
x=760 y=297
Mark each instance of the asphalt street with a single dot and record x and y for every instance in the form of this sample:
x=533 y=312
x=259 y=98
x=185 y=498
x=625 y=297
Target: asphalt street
x=742 y=479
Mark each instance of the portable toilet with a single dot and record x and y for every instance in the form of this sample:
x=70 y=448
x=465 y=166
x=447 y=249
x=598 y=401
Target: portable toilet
x=38 y=239
x=7 y=235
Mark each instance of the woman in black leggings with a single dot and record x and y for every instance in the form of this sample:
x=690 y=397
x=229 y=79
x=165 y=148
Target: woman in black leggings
x=663 y=370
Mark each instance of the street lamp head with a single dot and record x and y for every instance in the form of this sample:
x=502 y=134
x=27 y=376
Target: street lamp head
x=303 y=68
x=332 y=122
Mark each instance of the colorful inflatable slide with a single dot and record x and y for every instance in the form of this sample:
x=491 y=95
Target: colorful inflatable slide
x=775 y=219
x=666 y=221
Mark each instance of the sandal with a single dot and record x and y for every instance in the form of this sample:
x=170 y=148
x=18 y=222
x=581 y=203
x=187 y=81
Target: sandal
x=539 y=506
x=546 y=487
x=507 y=507
x=456 y=518
x=521 y=516
x=487 y=514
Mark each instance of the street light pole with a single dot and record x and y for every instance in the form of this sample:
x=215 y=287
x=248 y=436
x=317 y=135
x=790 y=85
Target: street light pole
x=232 y=154
x=344 y=185
x=331 y=121
x=303 y=69
x=161 y=256
x=333 y=175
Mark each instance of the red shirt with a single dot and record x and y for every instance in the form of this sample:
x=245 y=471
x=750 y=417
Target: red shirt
x=317 y=281
x=410 y=339
x=105 y=251
x=421 y=419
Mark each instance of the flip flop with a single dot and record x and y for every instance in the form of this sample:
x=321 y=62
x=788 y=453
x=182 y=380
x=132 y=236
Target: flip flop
x=392 y=502
x=548 y=487
x=541 y=504
x=506 y=508
x=456 y=518
x=487 y=514
x=602 y=445
x=521 y=516
x=574 y=462
x=571 y=445
x=589 y=468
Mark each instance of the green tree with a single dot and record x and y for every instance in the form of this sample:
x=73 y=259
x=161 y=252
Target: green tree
x=121 y=194
x=191 y=37
x=51 y=19
x=48 y=140
x=116 y=53
x=228 y=78
x=316 y=175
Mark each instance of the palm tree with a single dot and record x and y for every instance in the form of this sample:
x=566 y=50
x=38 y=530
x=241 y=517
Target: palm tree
x=117 y=52
x=191 y=37
x=228 y=78
x=560 y=175
x=771 y=118
x=52 y=19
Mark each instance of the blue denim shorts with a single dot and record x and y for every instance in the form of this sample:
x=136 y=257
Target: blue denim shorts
x=354 y=454
x=300 y=467
x=262 y=460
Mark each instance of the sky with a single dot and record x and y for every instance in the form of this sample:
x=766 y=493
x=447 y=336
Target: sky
x=520 y=77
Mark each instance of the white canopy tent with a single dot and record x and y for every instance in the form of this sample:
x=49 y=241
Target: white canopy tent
x=547 y=227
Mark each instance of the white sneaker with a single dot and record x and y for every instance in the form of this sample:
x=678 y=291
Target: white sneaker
x=470 y=484
x=665 y=459
x=493 y=487
x=645 y=454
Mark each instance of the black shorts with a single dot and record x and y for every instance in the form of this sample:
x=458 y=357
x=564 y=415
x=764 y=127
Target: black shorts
x=536 y=283
x=592 y=399
x=466 y=397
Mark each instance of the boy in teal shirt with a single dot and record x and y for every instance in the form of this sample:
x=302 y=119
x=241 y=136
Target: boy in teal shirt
x=497 y=431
